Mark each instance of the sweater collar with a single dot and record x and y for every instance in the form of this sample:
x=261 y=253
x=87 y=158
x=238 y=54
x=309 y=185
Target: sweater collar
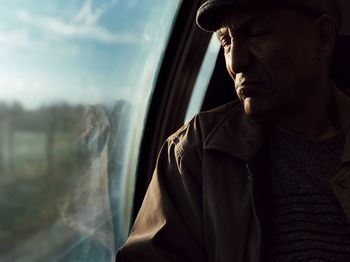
x=241 y=136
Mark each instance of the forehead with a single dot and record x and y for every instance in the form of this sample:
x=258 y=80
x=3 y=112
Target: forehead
x=235 y=19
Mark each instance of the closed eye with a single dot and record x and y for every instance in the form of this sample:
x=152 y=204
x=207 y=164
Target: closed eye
x=225 y=41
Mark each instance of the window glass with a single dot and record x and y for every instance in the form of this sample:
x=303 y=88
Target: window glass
x=76 y=77
x=203 y=78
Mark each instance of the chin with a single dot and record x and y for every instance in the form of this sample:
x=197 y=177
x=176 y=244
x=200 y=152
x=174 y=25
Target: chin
x=256 y=109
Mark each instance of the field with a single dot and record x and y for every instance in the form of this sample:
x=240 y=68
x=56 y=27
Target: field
x=55 y=165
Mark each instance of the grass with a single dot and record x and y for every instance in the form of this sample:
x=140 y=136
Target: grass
x=28 y=203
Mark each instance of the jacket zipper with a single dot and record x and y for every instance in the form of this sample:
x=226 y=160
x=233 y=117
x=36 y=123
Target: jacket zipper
x=255 y=213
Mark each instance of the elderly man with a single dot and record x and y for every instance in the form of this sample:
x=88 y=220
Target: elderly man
x=264 y=178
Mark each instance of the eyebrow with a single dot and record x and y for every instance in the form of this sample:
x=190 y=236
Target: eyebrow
x=242 y=26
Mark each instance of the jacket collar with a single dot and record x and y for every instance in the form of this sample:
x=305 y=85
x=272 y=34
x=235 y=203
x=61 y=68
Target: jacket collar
x=342 y=105
x=239 y=135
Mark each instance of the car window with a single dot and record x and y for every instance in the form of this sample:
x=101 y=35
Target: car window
x=203 y=78
x=76 y=79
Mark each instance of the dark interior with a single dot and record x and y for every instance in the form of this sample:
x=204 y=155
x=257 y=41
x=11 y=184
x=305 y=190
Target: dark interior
x=340 y=70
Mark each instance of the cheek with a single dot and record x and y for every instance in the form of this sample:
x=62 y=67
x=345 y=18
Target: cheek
x=290 y=73
x=291 y=61
x=276 y=57
x=229 y=71
x=279 y=69
x=229 y=66
x=231 y=74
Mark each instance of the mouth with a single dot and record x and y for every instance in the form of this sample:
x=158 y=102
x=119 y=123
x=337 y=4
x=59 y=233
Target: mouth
x=249 y=89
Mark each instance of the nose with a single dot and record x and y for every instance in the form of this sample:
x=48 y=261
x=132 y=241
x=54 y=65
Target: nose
x=239 y=59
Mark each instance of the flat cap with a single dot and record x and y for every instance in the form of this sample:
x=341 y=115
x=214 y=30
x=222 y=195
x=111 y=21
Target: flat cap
x=209 y=13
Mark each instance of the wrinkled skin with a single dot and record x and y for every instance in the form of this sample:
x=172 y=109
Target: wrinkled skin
x=279 y=62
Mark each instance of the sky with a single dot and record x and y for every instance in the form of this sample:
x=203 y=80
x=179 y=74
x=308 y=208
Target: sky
x=81 y=51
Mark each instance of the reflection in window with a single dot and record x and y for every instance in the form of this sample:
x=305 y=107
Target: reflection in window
x=75 y=80
x=203 y=78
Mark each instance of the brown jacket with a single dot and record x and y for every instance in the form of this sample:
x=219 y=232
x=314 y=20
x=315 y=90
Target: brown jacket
x=199 y=205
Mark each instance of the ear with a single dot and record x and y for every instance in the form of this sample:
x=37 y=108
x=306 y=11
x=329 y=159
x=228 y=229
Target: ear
x=327 y=36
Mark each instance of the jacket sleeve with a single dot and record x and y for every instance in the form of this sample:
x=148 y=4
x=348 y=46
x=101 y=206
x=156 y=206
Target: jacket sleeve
x=169 y=225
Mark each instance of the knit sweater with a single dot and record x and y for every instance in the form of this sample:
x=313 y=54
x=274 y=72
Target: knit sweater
x=308 y=222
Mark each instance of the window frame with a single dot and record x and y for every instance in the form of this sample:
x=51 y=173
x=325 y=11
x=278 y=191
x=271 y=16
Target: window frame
x=187 y=46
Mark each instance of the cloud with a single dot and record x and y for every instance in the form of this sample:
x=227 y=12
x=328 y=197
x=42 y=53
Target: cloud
x=18 y=40
x=89 y=16
x=14 y=38
x=32 y=93
x=17 y=89
x=86 y=29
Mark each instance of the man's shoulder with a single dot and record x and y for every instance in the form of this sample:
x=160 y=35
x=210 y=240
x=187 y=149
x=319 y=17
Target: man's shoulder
x=205 y=122
x=221 y=110
x=187 y=143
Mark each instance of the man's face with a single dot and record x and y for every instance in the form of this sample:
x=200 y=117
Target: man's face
x=272 y=56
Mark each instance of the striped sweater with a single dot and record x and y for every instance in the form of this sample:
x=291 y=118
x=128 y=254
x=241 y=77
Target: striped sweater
x=308 y=222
